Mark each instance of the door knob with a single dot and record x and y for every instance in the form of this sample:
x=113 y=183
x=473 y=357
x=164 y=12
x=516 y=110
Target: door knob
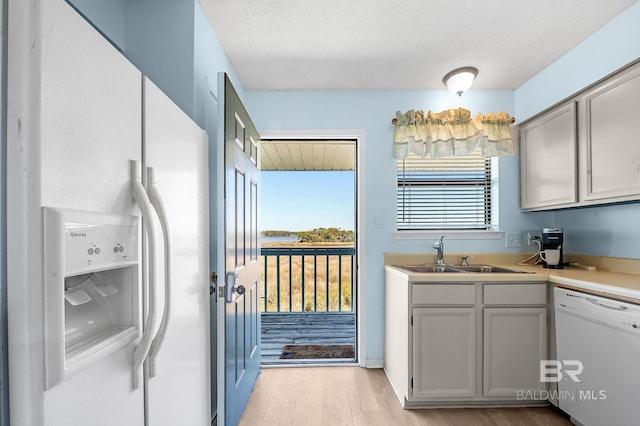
x=230 y=286
x=240 y=290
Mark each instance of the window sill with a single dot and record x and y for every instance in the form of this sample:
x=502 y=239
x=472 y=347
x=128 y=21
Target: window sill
x=449 y=235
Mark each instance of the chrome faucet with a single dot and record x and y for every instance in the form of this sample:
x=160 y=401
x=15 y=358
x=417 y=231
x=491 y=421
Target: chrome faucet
x=439 y=245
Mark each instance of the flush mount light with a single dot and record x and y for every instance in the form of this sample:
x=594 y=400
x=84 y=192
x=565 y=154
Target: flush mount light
x=460 y=80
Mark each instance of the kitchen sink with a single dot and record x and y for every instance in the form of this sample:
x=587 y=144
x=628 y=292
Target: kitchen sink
x=428 y=268
x=488 y=269
x=482 y=269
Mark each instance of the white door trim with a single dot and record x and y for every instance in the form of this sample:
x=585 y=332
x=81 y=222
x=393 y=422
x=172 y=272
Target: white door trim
x=220 y=257
x=359 y=136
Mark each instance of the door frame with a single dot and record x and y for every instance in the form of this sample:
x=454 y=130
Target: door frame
x=218 y=265
x=359 y=136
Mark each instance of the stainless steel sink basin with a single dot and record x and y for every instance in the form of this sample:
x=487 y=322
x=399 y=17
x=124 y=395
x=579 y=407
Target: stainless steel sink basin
x=488 y=269
x=428 y=268
x=482 y=269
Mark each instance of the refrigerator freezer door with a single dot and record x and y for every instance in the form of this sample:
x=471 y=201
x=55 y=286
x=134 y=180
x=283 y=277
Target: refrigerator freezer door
x=78 y=101
x=176 y=148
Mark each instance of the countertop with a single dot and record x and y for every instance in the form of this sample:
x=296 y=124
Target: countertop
x=618 y=285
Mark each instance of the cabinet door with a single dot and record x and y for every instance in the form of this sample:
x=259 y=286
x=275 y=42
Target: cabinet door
x=515 y=340
x=548 y=159
x=444 y=353
x=612 y=148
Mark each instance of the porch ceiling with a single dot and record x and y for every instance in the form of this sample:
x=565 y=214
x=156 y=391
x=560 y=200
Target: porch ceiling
x=307 y=155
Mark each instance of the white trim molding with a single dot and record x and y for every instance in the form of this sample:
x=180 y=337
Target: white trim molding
x=359 y=136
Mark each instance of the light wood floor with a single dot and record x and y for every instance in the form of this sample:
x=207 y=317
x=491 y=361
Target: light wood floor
x=359 y=396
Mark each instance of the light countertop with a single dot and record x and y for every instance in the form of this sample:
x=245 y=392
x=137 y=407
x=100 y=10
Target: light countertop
x=619 y=285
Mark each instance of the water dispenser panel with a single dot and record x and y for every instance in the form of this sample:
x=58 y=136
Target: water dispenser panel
x=98 y=246
x=92 y=289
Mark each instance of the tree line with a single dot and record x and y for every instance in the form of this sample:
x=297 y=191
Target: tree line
x=316 y=235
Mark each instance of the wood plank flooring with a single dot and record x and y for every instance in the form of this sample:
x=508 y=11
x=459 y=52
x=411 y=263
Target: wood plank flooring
x=303 y=328
x=363 y=397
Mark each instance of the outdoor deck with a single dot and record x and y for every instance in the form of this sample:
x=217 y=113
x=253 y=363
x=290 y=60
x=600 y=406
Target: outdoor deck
x=305 y=328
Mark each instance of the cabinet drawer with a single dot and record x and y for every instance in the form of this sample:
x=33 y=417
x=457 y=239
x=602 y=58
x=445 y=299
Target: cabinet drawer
x=515 y=294
x=444 y=294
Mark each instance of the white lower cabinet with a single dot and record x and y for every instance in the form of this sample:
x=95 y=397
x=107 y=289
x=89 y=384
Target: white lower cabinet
x=465 y=344
x=444 y=352
x=515 y=341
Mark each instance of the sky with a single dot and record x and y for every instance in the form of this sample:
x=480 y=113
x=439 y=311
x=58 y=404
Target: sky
x=301 y=201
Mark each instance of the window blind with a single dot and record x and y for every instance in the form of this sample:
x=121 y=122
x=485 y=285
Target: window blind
x=444 y=193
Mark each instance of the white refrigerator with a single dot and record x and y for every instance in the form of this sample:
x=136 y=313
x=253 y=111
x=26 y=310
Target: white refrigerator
x=108 y=300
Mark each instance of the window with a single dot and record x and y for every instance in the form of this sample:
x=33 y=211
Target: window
x=452 y=193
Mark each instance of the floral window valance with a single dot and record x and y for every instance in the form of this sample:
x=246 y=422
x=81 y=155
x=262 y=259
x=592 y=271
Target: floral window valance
x=451 y=133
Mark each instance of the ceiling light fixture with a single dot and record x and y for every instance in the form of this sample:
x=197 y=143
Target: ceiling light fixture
x=460 y=80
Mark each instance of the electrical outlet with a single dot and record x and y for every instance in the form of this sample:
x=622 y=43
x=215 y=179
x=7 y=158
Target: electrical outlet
x=531 y=236
x=514 y=239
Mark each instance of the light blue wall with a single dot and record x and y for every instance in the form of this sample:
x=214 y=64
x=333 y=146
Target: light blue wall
x=373 y=111
x=602 y=231
x=599 y=231
x=209 y=59
x=159 y=40
x=606 y=50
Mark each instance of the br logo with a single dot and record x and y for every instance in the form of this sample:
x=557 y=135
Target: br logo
x=553 y=370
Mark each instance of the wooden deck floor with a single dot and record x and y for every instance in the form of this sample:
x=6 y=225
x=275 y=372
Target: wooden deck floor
x=291 y=328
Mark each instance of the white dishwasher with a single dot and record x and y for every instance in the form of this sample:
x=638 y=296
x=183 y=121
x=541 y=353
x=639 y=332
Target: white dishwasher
x=601 y=337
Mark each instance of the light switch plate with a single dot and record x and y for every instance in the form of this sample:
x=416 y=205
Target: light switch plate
x=514 y=239
x=378 y=222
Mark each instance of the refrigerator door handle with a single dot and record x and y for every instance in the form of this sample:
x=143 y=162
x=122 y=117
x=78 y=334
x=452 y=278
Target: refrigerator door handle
x=157 y=203
x=142 y=200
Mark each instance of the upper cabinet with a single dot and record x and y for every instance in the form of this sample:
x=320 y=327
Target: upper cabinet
x=611 y=139
x=583 y=151
x=548 y=159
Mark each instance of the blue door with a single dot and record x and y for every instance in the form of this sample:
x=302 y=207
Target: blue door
x=242 y=256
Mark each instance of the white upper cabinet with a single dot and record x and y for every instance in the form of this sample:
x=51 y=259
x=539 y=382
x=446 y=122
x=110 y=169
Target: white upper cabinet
x=611 y=139
x=548 y=159
x=584 y=151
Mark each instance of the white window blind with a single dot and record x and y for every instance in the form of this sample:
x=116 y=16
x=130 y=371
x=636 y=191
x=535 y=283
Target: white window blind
x=444 y=193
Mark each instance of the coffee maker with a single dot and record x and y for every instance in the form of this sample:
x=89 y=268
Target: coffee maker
x=552 y=238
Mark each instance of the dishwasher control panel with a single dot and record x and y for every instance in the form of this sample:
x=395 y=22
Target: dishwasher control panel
x=623 y=316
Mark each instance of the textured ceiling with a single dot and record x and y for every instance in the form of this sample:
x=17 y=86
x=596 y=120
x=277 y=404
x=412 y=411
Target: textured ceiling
x=399 y=44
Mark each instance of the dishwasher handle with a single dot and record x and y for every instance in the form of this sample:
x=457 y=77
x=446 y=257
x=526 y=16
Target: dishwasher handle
x=602 y=305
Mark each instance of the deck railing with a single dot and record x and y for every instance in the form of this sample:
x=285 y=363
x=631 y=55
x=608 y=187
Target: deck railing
x=307 y=279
